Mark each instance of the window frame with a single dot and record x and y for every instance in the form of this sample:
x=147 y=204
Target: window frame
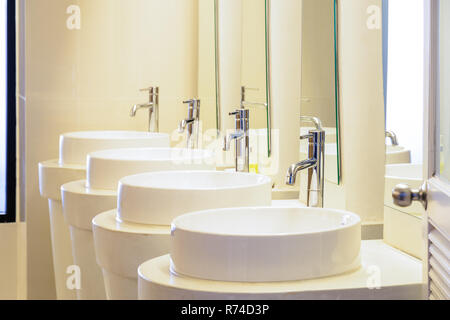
x=11 y=80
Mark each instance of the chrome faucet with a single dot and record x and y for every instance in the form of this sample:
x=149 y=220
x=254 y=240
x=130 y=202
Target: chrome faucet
x=315 y=165
x=245 y=103
x=191 y=124
x=241 y=136
x=153 y=108
x=392 y=136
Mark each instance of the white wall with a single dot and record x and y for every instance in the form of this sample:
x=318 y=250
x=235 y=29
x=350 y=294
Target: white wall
x=404 y=114
x=88 y=79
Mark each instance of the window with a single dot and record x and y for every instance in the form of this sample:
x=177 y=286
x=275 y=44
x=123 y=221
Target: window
x=7 y=111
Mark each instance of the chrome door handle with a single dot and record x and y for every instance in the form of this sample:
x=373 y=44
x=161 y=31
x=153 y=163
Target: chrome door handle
x=404 y=196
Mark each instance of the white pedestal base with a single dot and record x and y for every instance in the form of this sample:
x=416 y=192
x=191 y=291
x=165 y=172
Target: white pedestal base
x=81 y=205
x=61 y=250
x=121 y=247
x=92 y=285
x=386 y=273
x=51 y=176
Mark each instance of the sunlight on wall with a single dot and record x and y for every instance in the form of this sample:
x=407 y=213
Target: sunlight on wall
x=404 y=113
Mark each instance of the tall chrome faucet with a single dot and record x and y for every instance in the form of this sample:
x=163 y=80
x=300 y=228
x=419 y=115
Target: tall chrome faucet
x=191 y=123
x=392 y=136
x=241 y=136
x=315 y=164
x=153 y=108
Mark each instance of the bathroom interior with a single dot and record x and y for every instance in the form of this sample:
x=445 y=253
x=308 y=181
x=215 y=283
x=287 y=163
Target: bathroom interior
x=225 y=150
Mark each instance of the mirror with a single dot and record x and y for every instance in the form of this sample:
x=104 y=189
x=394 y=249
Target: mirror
x=241 y=71
x=207 y=63
x=254 y=80
x=205 y=82
x=253 y=73
x=319 y=80
x=403 y=81
x=241 y=66
x=243 y=78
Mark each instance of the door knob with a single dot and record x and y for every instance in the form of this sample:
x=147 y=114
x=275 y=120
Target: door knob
x=403 y=195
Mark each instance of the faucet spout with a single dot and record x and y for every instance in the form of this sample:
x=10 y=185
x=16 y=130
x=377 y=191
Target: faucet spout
x=315 y=164
x=393 y=137
x=191 y=124
x=296 y=168
x=232 y=136
x=136 y=107
x=183 y=124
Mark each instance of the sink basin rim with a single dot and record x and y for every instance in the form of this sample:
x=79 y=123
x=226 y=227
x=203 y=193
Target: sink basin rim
x=151 y=185
x=355 y=220
x=119 y=154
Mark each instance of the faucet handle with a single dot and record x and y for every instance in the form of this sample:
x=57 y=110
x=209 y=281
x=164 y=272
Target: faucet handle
x=153 y=91
x=244 y=89
x=306 y=136
x=193 y=103
x=153 y=94
x=240 y=113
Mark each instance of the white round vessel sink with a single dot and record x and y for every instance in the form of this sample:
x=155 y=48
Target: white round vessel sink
x=159 y=197
x=265 y=244
x=75 y=146
x=105 y=168
x=397 y=154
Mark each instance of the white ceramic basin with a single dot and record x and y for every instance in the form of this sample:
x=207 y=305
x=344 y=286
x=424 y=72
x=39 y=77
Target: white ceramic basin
x=105 y=168
x=265 y=244
x=159 y=197
x=397 y=154
x=75 y=146
x=410 y=174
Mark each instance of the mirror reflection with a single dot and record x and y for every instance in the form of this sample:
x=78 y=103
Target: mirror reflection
x=244 y=62
x=403 y=96
x=319 y=86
